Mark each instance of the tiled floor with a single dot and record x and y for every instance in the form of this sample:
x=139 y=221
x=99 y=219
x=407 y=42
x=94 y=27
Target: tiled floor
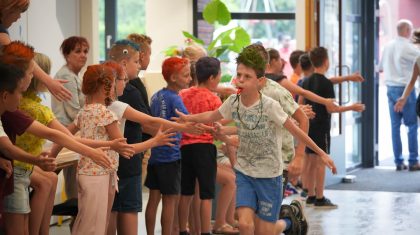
x=381 y=213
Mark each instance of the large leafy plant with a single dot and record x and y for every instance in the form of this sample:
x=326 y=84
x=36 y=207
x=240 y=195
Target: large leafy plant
x=234 y=39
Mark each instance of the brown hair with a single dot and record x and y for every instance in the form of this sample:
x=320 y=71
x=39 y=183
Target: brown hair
x=69 y=44
x=318 y=56
x=294 y=58
x=95 y=76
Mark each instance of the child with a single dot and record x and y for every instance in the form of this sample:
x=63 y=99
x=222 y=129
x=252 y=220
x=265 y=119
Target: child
x=319 y=128
x=16 y=123
x=198 y=152
x=164 y=169
x=258 y=170
x=294 y=62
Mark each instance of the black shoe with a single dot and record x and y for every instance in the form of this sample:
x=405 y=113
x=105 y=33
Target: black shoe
x=324 y=203
x=310 y=201
x=297 y=209
x=415 y=167
x=286 y=211
x=401 y=167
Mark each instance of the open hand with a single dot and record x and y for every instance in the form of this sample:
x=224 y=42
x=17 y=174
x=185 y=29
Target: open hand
x=55 y=86
x=101 y=158
x=356 y=77
x=164 y=137
x=358 y=107
x=307 y=109
x=329 y=163
x=6 y=165
x=46 y=163
x=120 y=145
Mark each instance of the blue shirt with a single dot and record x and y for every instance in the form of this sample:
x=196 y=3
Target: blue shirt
x=163 y=105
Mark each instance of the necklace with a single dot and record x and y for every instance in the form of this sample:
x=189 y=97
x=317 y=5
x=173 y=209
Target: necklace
x=260 y=113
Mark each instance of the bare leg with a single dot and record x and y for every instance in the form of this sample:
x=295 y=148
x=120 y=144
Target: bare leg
x=183 y=212
x=312 y=166
x=127 y=223
x=42 y=201
x=320 y=177
x=151 y=210
x=168 y=210
x=264 y=227
x=228 y=187
x=205 y=215
x=196 y=210
x=16 y=224
x=280 y=226
x=246 y=220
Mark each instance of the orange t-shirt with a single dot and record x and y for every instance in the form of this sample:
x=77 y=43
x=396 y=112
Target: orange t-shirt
x=199 y=100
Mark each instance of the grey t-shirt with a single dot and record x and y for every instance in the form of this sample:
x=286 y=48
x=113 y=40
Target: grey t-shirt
x=259 y=128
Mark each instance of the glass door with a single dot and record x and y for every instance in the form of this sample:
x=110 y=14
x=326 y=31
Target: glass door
x=341 y=33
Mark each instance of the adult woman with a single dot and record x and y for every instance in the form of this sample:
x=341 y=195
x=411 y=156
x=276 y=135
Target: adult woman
x=74 y=50
x=416 y=72
x=10 y=11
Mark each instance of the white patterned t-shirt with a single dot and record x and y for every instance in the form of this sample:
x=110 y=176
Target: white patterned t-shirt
x=259 y=153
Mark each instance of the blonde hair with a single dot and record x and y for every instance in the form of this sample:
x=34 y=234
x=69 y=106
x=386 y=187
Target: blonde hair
x=194 y=52
x=143 y=41
x=44 y=63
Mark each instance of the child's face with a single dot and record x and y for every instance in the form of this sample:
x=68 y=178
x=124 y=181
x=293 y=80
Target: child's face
x=182 y=79
x=120 y=83
x=12 y=100
x=246 y=79
x=26 y=81
x=145 y=58
x=132 y=66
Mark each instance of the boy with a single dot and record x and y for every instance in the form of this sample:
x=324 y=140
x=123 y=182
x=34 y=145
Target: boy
x=319 y=128
x=198 y=151
x=164 y=168
x=258 y=170
x=294 y=62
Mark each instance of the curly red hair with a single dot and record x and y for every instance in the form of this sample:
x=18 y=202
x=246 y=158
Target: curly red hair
x=17 y=53
x=116 y=67
x=96 y=76
x=173 y=65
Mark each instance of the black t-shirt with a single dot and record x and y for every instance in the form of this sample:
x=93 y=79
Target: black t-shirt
x=275 y=77
x=133 y=133
x=322 y=86
x=143 y=103
x=3 y=29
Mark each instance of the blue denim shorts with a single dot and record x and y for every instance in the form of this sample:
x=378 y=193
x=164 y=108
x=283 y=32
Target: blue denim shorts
x=263 y=195
x=129 y=195
x=18 y=201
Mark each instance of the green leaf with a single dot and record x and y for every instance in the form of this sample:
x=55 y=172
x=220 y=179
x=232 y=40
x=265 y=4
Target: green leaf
x=241 y=40
x=171 y=51
x=226 y=78
x=192 y=37
x=216 y=11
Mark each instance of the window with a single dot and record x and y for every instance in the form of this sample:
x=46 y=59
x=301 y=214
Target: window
x=117 y=19
x=271 y=22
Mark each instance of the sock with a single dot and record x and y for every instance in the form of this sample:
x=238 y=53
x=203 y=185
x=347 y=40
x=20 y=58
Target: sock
x=183 y=233
x=288 y=223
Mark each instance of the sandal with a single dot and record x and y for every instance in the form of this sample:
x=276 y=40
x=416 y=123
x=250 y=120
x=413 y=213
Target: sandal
x=234 y=224
x=225 y=229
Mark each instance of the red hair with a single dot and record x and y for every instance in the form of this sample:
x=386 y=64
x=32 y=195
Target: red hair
x=117 y=68
x=95 y=76
x=17 y=53
x=173 y=65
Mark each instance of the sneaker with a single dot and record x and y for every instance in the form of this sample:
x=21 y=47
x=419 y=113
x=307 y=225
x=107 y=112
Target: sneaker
x=286 y=211
x=310 y=201
x=401 y=167
x=297 y=209
x=414 y=167
x=324 y=203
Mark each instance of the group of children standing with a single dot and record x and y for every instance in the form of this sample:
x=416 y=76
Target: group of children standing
x=116 y=115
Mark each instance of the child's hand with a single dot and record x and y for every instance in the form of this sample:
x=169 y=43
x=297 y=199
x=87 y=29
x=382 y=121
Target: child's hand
x=46 y=163
x=101 y=158
x=120 y=145
x=356 y=77
x=193 y=128
x=6 y=165
x=329 y=163
x=331 y=106
x=164 y=137
x=358 y=107
x=55 y=86
x=181 y=117
x=398 y=107
x=307 y=109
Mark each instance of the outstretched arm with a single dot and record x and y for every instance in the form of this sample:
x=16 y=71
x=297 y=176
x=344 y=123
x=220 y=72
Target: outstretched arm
x=206 y=117
x=296 y=166
x=355 y=77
